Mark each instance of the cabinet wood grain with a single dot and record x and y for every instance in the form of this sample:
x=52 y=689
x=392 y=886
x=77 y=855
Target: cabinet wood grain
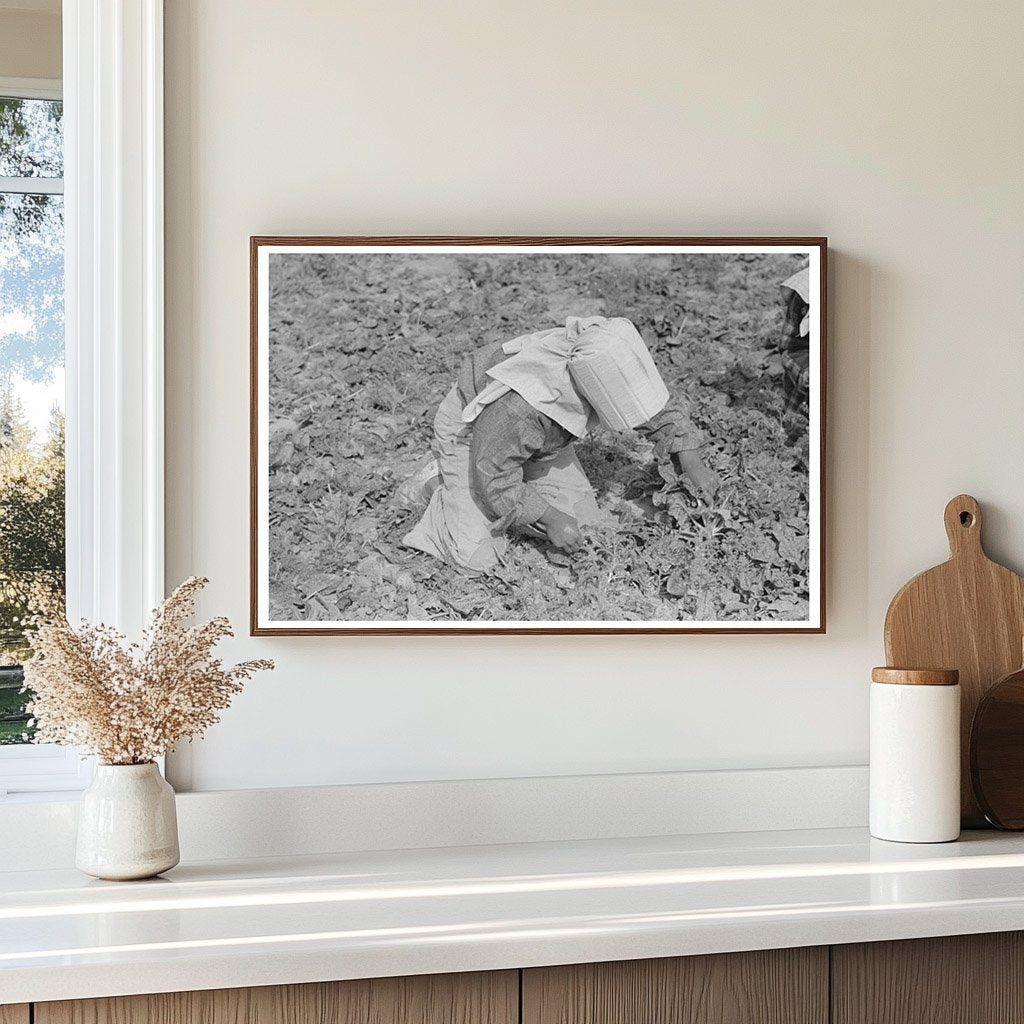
x=962 y=979
x=779 y=986
x=14 y=1014
x=482 y=998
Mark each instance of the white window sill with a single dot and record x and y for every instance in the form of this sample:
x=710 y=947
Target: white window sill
x=42 y=771
x=42 y=797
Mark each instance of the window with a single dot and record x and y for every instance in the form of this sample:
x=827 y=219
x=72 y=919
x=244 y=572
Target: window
x=32 y=532
x=31 y=382
x=112 y=208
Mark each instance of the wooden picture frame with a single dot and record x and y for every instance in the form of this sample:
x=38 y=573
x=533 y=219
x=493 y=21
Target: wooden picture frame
x=334 y=317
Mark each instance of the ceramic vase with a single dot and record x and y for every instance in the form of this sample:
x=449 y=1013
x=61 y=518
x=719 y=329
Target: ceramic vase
x=127 y=825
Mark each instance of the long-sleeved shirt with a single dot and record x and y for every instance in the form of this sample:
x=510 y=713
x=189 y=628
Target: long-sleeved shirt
x=509 y=433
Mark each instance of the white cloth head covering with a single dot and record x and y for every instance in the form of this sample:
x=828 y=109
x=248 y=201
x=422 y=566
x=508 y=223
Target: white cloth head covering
x=800 y=283
x=613 y=370
x=593 y=368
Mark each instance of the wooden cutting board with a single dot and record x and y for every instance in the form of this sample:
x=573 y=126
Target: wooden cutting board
x=967 y=614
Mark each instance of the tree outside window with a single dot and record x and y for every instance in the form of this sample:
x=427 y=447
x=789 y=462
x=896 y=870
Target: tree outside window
x=32 y=541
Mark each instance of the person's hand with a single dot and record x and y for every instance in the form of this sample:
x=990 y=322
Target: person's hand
x=706 y=480
x=562 y=530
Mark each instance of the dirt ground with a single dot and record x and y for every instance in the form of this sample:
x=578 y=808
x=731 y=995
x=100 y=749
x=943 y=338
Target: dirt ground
x=363 y=349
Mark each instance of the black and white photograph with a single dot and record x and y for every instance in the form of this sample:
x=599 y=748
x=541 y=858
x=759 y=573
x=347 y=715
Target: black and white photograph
x=537 y=435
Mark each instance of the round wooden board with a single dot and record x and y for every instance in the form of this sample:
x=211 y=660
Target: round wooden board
x=997 y=752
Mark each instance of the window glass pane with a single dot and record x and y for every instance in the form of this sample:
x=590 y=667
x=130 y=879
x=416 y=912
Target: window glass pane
x=31 y=138
x=31 y=432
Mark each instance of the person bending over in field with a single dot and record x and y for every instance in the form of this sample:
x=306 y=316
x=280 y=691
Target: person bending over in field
x=504 y=438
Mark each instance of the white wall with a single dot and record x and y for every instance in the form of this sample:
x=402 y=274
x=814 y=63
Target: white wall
x=895 y=129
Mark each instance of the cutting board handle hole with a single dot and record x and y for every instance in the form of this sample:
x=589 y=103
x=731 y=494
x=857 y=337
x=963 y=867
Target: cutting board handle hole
x=962 y=517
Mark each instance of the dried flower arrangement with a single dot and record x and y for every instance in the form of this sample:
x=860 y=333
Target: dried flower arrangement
x=130 y=703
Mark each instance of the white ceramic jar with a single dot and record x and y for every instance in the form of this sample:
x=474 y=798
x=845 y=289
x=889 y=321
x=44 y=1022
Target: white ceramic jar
x=915 y=755
x=127 y=823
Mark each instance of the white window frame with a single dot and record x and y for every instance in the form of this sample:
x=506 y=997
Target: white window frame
x=113 y=222
x=31 y=89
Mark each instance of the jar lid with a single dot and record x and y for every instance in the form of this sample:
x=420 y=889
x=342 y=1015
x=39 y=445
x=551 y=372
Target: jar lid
x=916 y=676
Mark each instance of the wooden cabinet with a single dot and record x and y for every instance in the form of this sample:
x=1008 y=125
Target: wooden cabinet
x=968 y=979
x=778 y=986
x=491 y=998
x=962 y=979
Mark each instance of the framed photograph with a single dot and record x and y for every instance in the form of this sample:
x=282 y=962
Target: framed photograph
x=537 y=435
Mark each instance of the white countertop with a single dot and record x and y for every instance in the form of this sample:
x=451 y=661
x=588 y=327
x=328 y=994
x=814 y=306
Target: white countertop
x=351 y=915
